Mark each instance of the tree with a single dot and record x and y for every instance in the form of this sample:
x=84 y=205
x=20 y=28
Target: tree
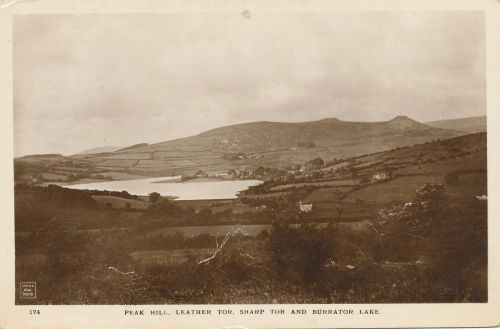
x=316 y=163
x=154 y=197
x=260 y=170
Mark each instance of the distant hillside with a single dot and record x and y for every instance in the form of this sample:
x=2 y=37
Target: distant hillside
x=468 y=125
x=102 y=149
x=132 y=147
x=267 y=143
x=363 y=185
x=241 y=146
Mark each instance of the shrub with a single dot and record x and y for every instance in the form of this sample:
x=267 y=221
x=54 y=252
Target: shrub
x=154 y=197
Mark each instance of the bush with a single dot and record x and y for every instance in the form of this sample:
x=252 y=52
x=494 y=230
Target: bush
x=314 y=164
x=154 y=197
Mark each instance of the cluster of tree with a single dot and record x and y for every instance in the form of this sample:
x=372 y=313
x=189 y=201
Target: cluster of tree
x=261 y=172
x=198 y=174
x=35 y=205
x=314 y=164
x=122 y=194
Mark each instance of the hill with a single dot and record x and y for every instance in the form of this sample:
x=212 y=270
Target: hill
x=468 y=125
x=363 y=185
x=241 y=146
x=278 y=144
x=102 y=149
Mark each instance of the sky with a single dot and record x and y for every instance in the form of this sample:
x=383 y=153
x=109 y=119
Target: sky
x=84 y=81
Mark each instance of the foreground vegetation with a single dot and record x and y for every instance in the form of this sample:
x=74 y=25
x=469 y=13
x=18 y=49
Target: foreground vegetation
x=410 y=253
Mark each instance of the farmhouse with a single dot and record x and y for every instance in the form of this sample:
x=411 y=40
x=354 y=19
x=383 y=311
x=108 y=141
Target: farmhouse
x=305 y=207
x=381 y=176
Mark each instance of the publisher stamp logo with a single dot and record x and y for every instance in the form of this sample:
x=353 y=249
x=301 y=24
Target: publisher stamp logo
x=27 y=289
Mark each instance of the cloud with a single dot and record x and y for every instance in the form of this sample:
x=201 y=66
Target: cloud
x=83 y=81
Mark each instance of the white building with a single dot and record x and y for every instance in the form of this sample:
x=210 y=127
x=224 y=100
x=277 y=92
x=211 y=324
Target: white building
x=381 y=176
x=305 y=207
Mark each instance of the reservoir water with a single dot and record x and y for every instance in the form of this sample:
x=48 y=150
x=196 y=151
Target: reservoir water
x=168 y=186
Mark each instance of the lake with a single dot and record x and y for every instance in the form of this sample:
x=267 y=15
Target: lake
x=168 y=186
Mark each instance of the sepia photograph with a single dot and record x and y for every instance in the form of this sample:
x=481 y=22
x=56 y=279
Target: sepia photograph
x=250 y=158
